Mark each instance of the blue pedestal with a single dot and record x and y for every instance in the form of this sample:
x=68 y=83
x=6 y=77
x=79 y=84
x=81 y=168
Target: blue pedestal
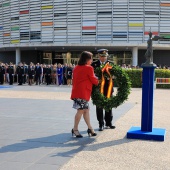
x=147 y=98
x=147 y=131
x=157 y=134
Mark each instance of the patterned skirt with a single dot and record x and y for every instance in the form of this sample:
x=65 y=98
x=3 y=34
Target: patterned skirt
x=80 y=104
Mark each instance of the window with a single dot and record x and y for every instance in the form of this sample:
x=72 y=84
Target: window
x=35 y=35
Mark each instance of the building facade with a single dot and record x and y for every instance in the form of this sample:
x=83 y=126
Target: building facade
x=50 y=31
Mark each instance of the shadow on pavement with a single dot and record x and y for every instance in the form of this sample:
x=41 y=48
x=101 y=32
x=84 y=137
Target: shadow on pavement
x=71 y=145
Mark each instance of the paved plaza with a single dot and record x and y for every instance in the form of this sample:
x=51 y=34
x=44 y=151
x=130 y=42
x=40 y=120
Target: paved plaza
x=35 y=133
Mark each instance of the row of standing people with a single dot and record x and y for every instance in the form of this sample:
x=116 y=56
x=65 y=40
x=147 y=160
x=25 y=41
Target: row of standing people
x=40 y=73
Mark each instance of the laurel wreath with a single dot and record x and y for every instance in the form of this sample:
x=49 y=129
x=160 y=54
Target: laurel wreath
x=121 y=80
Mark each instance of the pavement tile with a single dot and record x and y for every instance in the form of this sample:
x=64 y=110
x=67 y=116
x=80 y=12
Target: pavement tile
x=13 y=165
x=43 y=167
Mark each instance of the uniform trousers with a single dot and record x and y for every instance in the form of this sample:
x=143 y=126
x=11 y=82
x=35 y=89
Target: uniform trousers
x=108 y=114
x=1 y=78
x=47 y=77
x=20 y=79
x=10 y=79
x=101 y=117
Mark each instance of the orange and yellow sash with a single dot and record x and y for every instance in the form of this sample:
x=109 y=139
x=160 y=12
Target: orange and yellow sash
x=106 y=68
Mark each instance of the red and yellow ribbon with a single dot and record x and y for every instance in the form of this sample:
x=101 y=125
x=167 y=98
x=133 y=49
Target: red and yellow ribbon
x=106 y=68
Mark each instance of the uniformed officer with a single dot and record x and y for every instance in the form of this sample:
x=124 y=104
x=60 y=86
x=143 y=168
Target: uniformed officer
x=38 y=73
x=103 y=54
x=2 y=73
x=10 y=72
x=20 y=73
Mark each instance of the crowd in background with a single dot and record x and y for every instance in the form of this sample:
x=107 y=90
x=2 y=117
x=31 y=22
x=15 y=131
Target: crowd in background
x=125 y=66
x=56 y=74
x=49 y=74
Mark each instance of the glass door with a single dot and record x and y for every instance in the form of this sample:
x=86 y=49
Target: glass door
x=120 y=58
x=47 y=58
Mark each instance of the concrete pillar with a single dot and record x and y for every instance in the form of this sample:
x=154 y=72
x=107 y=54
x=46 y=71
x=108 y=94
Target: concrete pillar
x=135 y=56
x=18 y=55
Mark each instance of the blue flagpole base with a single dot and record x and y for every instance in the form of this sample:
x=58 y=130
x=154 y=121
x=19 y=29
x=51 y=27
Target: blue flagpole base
x=157 y=134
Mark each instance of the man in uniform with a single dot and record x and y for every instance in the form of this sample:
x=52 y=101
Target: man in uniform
x=103 y=54
x=2 y=73
x=20 y=73
x=38 y=73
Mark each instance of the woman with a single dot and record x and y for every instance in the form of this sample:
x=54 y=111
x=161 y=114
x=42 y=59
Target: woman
x=31 y=73
x=83 y=80
x=60 y=74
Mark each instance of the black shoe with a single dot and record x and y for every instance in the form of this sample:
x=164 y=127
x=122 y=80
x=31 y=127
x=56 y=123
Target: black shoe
x=77 y=136
x=101 y=128
x=112 y=127
x=89 y=131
